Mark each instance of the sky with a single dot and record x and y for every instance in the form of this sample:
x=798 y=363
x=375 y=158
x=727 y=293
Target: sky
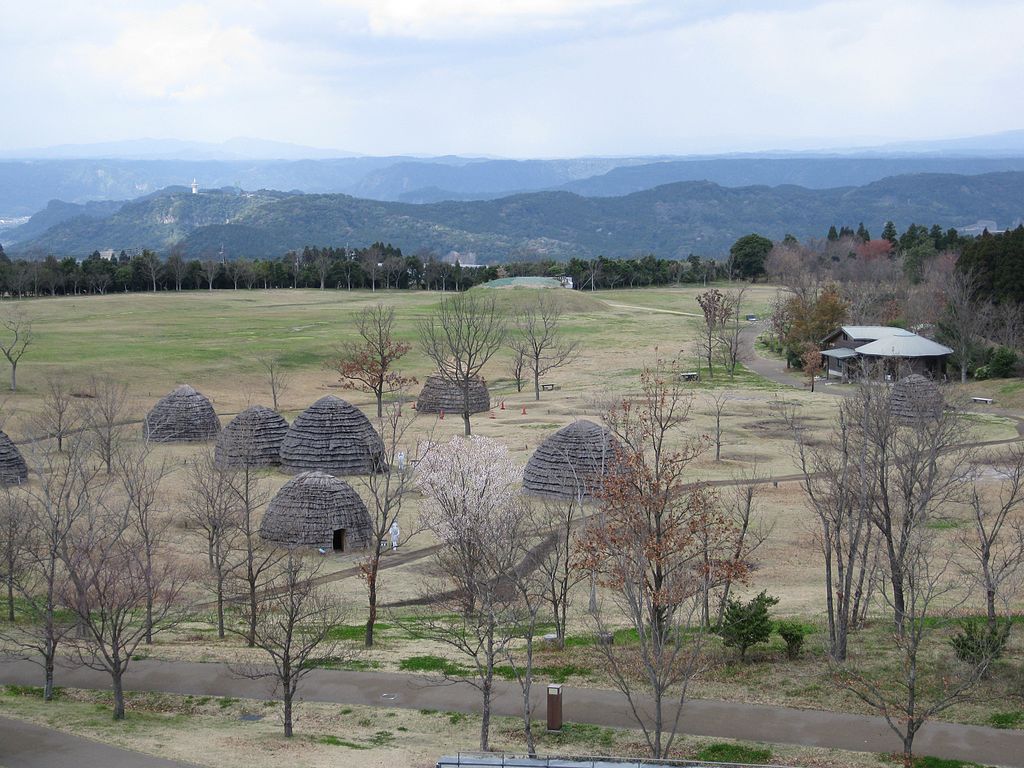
x=512 y=78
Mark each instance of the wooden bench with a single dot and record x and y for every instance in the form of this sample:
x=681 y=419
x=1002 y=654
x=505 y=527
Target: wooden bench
x=689 y=376
x=985 y=400
x=547 y=387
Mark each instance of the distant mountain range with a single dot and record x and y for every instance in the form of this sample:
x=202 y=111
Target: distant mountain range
x=30 y=179
x=671 y=220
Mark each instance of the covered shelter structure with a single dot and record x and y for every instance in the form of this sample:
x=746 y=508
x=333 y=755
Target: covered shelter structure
x=851 y=349
x=315 y=509
x=440 y=394
x=332 y=436
x=573 y=462
x=183 y=416
x=253 y=438
x=13 y=469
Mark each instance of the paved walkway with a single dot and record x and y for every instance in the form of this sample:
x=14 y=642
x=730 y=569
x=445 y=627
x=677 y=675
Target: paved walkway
x=26 y=745
x=719 y=719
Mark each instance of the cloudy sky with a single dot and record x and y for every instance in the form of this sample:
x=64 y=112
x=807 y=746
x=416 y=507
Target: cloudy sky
x=514 y=78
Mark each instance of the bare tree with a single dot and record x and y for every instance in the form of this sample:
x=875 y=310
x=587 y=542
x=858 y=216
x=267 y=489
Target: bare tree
x=369 y=364
x=730 y=330
x=177 y=267
x=517 y=365
x=718 y=402
x=103 y=416
x=460 y=338
x=141 y=477
x=559 y=566
x=15 y=337
x=919 y=688
x=58 y=417
x=386 y=493
x=539 y=340
x=111 y=595
x=213 y=513
x=649 y=549
x=294 y=620
x=210 y=268
x=472 y=504
x=150 y=266
x=252 y=561
x=716 y=313
x=966 y=319
x=995 y=541
x=372 y=265
x=838 y=488
x=278 y=379
x=69 y=487
x=14 y=542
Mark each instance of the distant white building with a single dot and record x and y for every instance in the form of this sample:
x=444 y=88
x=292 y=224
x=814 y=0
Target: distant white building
x=195 y=186
x=108 y=255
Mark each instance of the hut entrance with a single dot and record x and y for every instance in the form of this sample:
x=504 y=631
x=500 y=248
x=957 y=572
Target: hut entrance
x=339 y=540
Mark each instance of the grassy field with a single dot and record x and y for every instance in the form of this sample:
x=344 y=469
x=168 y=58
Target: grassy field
x=213 y=340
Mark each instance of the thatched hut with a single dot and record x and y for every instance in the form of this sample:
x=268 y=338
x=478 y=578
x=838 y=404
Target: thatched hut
x=440 y=394
x=915 y=397
x=315 y=509
x=253 y=438
x=572 y=462
x=13 y=469
x=332 y=436
x=183 y=416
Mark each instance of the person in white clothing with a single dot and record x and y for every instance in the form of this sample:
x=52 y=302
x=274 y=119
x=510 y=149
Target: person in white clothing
x=395 y=533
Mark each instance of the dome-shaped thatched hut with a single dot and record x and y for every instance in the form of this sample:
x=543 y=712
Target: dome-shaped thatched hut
x=915 y=397
x=184 y=415
x=13 y=469
x=332 y=436
x=315 y=509
x=253 y=438
x=439 y=394
x=572 y=462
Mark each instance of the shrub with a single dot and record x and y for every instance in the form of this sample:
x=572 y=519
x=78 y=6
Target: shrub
x=1007 y=719
x=1002 y=364
x=747 y=624
x=978 y=644
x=793 y=633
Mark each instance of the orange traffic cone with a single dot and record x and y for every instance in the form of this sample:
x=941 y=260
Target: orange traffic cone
x=492 y=414
x=524 y=411
x=414 y=406
x=503 y=405
x=441 y=416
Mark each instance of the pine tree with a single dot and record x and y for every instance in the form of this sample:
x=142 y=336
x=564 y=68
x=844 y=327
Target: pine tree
x=862 y=232
x=889 y=232
x=832 y=234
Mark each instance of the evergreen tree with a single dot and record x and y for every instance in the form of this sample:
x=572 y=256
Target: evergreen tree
x=862 y=232
x=747 y=624
x=832 y=234
x=889 y=232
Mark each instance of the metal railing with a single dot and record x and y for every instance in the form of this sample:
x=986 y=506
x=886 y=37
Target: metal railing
x=513 y=760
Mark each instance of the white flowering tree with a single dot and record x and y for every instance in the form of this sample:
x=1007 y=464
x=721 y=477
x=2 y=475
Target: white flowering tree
x=473 y=504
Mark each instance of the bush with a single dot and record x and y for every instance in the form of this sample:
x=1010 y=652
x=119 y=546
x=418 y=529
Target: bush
x=793 y=633
x=735 y=753
x=747 y=624
x=978 y=644
x=981 y=373
x=1007 y=719
x=1002 y=364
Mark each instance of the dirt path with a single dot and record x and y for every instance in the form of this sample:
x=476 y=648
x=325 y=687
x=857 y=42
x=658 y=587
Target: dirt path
x=718 y=719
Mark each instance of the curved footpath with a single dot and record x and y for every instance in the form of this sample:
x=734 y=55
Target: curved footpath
x=719 y=719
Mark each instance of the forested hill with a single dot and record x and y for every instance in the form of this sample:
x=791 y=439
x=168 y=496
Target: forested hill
x=673 y=220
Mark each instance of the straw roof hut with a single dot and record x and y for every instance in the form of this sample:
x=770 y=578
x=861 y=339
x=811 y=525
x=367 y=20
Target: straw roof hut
x=184 y=415
x=315 y=509
x=915 y=397
x=13 y=469
x=253 y=438
x=439 y=394
x=572 y=462
x=332 y=436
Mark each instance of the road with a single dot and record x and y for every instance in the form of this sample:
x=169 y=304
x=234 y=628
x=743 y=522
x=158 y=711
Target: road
x=718 y=719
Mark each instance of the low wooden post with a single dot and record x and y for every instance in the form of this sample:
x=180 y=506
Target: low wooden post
x=554 y=708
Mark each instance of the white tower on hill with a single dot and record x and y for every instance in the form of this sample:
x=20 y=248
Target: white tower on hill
x=195 y=187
